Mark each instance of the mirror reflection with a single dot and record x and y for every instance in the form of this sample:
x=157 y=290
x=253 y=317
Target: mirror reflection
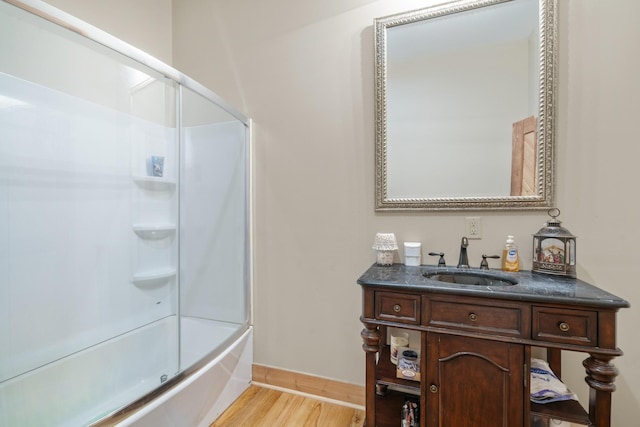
x=464 y=106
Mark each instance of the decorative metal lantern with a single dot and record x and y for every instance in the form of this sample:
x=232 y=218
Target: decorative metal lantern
x=554 y=248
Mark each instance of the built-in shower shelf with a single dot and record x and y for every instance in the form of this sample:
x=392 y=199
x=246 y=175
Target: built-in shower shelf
x=154 y=231
x=150 y=276
x=154 y=182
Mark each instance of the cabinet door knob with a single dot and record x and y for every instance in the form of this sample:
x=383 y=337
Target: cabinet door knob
x=433 y=388
x=397 y=308
x=473 y=317
x=564 y=327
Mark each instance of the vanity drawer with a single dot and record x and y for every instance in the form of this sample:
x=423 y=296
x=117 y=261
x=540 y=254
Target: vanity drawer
x=491 y=317
x=567 y=326
x=397 y=307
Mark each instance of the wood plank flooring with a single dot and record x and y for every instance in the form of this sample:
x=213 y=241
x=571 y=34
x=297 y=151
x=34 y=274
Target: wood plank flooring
x=264 y=407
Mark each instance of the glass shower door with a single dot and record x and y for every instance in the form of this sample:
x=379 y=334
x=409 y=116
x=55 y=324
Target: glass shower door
x=124 y=237
x=214 y=227
x=88 y=228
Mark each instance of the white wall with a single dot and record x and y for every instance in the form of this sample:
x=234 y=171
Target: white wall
x=304 y=72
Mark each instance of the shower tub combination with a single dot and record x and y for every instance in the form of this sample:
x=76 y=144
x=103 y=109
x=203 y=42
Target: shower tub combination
x=124 y=233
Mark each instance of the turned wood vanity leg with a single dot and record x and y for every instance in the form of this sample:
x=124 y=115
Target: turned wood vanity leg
x=371 y=345
x=601 y=375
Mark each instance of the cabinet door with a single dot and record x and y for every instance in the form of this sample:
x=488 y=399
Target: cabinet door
x=473 y=382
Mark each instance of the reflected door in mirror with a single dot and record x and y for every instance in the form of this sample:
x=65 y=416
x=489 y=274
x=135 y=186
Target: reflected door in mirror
x=523 y=157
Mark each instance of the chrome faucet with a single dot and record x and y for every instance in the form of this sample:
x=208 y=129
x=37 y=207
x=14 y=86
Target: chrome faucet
x=463 y=261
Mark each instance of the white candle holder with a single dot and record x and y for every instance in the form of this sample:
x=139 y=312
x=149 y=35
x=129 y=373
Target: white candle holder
x=385 y=245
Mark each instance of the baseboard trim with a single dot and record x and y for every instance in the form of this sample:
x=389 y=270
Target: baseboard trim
x=332 y=390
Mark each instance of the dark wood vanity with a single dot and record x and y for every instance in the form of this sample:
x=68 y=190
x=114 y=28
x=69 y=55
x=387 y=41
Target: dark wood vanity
x=476 y=343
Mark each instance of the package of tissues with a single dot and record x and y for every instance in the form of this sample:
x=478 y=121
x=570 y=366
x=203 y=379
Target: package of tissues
x=408 y=367
x=546 y=387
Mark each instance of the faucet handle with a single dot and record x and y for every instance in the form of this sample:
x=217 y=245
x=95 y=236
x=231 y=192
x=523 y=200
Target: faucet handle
x=484 y=265
x=441 y=262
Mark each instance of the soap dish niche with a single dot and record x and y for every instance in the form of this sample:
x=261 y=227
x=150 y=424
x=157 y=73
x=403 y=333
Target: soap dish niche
x=154 y=231
x=155 y=183
x=155 y=276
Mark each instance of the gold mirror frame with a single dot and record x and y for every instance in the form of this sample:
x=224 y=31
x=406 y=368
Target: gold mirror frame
x=546 y=115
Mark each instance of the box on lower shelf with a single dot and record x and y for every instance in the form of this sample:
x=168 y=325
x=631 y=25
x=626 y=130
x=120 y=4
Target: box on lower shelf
x=387 y=372
x=412 y=372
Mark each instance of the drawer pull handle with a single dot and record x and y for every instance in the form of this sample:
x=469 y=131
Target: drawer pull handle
x=433 y=388
x=564 y=327
x=473 y=317
x=397 y=308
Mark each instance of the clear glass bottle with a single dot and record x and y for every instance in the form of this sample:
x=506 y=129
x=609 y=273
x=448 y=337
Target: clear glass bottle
x=510 y=257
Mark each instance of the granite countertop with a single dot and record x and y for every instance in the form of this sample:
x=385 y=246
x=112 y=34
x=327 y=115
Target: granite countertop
x=530 y=286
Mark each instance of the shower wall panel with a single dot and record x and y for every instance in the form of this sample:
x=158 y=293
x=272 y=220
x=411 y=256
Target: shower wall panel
x=213 y=222
x=67 y=239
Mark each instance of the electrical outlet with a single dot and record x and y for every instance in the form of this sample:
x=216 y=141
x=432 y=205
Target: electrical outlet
x=474 y=227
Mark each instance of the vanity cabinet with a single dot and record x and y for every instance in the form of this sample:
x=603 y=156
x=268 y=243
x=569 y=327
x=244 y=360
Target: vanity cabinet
x=476 y=344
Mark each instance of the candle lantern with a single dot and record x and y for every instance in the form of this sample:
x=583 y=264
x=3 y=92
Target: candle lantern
x=385 y=245
x=554 y=248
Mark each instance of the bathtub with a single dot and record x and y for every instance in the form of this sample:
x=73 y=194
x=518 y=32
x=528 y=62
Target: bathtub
x=80 y=389
x=199 y=399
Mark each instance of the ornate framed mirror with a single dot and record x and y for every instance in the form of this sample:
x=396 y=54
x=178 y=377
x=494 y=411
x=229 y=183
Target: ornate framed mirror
x=465 y=103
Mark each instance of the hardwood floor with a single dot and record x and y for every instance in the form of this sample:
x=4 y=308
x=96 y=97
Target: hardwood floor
x=264 y=407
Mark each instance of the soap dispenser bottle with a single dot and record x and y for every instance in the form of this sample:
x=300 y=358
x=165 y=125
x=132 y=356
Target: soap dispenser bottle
x=510 y=257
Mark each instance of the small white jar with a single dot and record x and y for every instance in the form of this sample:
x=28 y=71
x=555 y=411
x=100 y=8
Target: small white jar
x=412 y=253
